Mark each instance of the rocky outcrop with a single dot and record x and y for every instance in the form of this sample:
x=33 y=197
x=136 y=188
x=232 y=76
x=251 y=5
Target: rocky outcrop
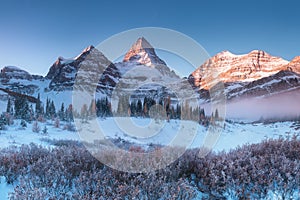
x=294 y=65
x=12 y=72
x=282 y=81
x=63 y=72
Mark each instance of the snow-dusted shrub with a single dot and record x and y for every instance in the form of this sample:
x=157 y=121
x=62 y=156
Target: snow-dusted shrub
x=41 y=118
x=249 y=172
x=56 y=122
x=9 y=118
x=69 y=127
x=45 y=130
x=60 y=143
x=70 y=172
x=36 y=127
x=23 y=123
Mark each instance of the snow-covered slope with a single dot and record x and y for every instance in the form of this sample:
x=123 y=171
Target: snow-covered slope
x=282 y=81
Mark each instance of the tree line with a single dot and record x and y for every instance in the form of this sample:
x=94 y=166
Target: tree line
x=162 y=108
x=20 y=108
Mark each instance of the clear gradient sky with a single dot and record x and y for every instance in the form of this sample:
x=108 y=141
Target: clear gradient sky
x=33 y=33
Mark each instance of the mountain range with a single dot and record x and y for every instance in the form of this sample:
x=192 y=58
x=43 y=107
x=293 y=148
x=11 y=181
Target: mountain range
x=249 y=80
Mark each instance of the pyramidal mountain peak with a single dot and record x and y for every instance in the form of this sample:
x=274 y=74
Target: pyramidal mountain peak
x=143 y=52
x=61 y=62
x=85 y=51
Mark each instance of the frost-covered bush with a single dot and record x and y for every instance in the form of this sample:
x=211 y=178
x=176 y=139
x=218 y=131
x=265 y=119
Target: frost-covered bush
x=70 y=172
x=45 y=130
x=57 y=123
x=36 y=127
x=249 y=172
x=23 y=123
x=69 y=127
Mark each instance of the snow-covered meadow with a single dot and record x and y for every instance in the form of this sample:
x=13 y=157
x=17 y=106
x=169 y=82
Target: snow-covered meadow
x=233 y=135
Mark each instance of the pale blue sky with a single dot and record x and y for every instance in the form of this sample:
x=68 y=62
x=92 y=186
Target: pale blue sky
x=33 y=33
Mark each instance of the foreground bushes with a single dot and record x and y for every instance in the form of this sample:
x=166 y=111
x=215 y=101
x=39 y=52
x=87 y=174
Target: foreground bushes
x=254 y=171
x=69 y=172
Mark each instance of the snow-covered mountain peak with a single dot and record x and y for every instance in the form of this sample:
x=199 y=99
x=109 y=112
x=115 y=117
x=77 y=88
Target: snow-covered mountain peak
x=260 y=52
x=228 y=67
x=141 y=43
x=294 y=65
x=12 y=72
x=226 y=53
x=85 y=51
x=142 y=52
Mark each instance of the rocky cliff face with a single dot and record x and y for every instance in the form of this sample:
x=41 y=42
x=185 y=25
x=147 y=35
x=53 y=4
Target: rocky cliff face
x=64 y=71
x=227 y=67
x=256 y=74
x=282 y=81
x=12 y=72
x=17 y=80
x=294 y=65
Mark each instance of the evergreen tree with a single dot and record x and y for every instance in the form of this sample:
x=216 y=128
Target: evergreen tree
x=108 y=106
x=98 y=108
x=133 y=108
x=48 y=108
x=145 y=107
x=25 y=113
x=69 y=113
x=8 y=106
x=178 y=111
x=160 y=102
x=62 y=112
x=22 y=108
x=3 y=121
x=216 y=114
x=139 y=108
x=102 y=107
x=196 y=114
x=123 y=105
x=52 y=110
x=202 y=113
x=38 y=106
x=92 y=108
x=84 y=113
x=31 y=113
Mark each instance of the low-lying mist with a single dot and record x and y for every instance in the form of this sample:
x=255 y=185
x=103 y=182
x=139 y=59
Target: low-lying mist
x=283 y=105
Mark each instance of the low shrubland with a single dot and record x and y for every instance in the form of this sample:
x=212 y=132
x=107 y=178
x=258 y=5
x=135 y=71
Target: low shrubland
x=69 y=171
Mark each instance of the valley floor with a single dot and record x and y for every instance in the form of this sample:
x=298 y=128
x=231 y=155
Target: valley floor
x=233 y=135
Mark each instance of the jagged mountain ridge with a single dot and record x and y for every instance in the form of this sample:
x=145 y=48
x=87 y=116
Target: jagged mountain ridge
x=62 y=74
x=255 y=74
x=227 y=67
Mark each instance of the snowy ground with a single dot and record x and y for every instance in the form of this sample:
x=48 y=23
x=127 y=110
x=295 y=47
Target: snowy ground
x=5 y=189
x=145 y=132
x=16 y=135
